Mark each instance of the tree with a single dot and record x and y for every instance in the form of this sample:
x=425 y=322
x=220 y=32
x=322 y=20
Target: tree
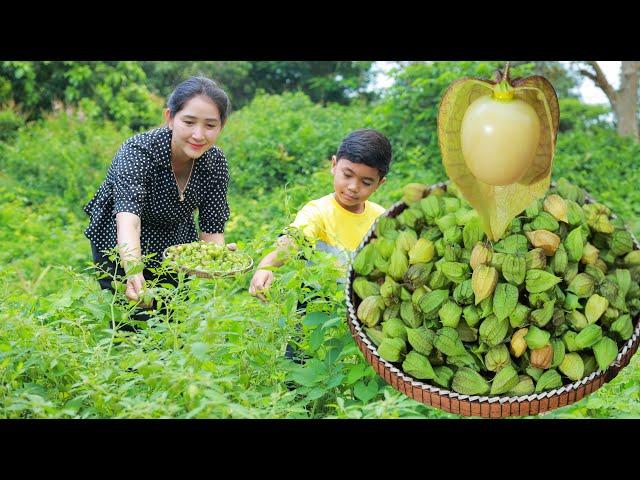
x=624 y=101
x=113 y=90
x=323 y=82
x=232 y=76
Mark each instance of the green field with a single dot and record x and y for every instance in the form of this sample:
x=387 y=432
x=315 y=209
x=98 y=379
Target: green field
x=217 y=352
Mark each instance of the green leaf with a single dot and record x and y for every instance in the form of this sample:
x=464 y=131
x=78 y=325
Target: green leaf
x=365 y=392
x=314 y=319
x=356 y=372
x=595 y=403
x=350 y=349
x=199 y=350
x=316 y=393
x=64 y=301
x=316 y=338
x=332 y=355
x=310 y=374
x=335 y=380
x=97 y=310
x=332 y=322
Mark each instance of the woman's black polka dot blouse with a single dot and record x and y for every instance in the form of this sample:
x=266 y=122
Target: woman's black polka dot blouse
x=140 y=180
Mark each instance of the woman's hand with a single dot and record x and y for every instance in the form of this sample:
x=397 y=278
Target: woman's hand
x=261 y=282
x=217 y=238
x=135 y=289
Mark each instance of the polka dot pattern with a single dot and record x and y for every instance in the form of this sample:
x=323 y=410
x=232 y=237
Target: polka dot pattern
x=140 y=180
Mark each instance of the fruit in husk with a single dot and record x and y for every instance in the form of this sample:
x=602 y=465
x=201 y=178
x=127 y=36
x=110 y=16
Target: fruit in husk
x=542 y=357
x=524 y=386
x=518 y=344
x=500 y=133
x=497 y=140
x=208 y=258
x=468 y=382
x=506 y=379
x=495 y=308
x=605 y=352
x=572 y=366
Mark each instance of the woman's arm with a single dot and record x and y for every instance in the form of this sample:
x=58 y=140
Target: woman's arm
x=128 y=228
x=128 y=232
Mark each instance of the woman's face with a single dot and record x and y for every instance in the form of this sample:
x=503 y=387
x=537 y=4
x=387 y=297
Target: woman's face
x=195 y=128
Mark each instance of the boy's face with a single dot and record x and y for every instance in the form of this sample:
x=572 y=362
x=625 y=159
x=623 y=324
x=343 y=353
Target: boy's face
x=354 y=183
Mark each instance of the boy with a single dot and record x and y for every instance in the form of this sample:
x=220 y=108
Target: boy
x=339 y=221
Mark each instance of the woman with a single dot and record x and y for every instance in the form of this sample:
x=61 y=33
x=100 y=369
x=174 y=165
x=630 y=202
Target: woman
x=158 y=179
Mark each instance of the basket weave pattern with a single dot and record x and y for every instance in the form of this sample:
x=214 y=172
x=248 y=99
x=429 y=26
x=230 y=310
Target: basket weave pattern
x=475 y=405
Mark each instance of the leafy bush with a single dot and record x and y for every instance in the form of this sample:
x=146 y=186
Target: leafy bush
x=10 y=122
x=5 y=90
x=219 y=356
x=278 y=139
x=62 y=157
x=103 y=90
x=34 y=238
x=575 y=115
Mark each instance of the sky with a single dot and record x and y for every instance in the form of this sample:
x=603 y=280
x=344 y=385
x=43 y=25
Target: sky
x=589 y=92
x=592 y=94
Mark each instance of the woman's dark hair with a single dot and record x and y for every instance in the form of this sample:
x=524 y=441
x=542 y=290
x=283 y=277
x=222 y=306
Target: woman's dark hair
x=194 y=86
x=367 y=146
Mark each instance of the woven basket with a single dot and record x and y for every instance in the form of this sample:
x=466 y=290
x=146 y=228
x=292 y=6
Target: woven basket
x=475 y=405
x=209 y=273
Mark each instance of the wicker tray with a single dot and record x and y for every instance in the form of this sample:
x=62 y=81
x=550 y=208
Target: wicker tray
x=209 y=273
x=475 y=405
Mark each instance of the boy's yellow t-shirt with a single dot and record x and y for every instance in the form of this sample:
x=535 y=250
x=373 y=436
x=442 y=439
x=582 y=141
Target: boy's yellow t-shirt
x=326 y=220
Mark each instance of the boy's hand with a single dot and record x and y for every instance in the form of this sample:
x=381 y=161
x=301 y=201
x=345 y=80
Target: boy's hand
x=261 y=282
x=232 y=246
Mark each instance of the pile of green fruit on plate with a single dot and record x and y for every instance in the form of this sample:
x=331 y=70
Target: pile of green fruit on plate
x=208 y=259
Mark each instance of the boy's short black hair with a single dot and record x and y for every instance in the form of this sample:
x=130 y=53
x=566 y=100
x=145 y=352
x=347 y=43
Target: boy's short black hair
x=367 y=146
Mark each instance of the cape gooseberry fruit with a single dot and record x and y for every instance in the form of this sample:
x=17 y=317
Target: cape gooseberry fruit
x=497 y=140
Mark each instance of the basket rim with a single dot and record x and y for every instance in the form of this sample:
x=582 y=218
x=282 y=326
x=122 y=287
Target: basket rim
x=209 y=273
x=620 y=361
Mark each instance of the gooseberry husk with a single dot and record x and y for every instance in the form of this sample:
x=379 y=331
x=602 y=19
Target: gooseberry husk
x=497 y=205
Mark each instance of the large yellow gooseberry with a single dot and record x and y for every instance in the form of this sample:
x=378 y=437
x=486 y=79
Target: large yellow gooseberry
x=499 y=139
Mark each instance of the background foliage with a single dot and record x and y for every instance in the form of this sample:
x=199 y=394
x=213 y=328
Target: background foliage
x=217 y=352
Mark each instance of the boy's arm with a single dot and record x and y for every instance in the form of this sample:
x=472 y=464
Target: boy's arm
x=307 y=220
x=263 y=278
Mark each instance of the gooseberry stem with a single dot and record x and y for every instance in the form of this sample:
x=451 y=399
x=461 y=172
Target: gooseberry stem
x=505 y=75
